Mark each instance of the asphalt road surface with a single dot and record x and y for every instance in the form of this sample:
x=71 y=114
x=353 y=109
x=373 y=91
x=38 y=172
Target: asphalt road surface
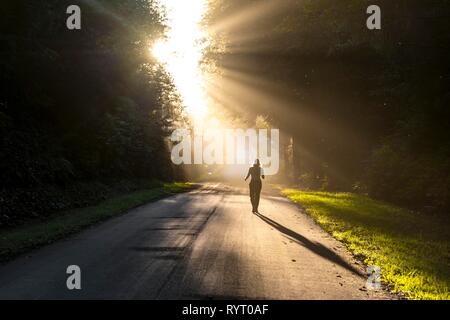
x=206 y=244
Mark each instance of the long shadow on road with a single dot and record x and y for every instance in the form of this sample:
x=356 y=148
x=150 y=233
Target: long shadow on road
x=315 y=247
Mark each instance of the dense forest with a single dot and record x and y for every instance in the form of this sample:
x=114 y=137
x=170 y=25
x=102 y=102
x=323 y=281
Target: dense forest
x=83 y=114
x=367 y=109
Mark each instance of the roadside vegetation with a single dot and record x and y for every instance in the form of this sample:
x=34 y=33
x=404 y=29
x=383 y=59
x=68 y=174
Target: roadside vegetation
x=84 y=115
x=411 y=249
x=59 y=225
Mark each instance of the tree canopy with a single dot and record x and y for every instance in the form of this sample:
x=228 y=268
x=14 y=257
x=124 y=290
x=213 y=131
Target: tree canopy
x=367 y=108
x=79 y=106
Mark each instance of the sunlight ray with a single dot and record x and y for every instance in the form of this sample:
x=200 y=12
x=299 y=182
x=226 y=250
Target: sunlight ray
x=181 y=51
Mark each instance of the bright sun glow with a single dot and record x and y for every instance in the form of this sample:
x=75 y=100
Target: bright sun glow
x=181 y=52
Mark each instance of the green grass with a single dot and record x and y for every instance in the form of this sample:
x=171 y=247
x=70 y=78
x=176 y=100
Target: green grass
x=411 y=249
x=36 y=234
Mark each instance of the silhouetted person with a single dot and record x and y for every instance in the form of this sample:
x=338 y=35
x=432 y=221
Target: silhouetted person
x=256 y=172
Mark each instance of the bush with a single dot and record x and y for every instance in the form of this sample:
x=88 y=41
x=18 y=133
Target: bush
x=420 y=182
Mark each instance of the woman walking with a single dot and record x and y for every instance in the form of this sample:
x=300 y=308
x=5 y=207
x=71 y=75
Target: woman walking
x=256 y=172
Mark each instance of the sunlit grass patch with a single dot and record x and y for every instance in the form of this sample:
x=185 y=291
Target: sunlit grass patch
x=411 y=249
x=175 y=187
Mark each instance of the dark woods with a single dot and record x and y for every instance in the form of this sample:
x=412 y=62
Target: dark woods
x=367 y=110
x=83 y=114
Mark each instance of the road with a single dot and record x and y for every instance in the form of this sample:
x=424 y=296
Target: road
x=205 y=244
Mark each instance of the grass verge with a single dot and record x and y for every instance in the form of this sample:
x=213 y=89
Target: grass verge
x=24 y=238
x=412 y=250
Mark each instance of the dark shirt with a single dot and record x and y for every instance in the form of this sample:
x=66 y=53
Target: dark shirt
x=256 y=173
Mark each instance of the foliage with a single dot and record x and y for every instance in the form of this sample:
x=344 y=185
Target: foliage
x=365 y=107
x=87 y=107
